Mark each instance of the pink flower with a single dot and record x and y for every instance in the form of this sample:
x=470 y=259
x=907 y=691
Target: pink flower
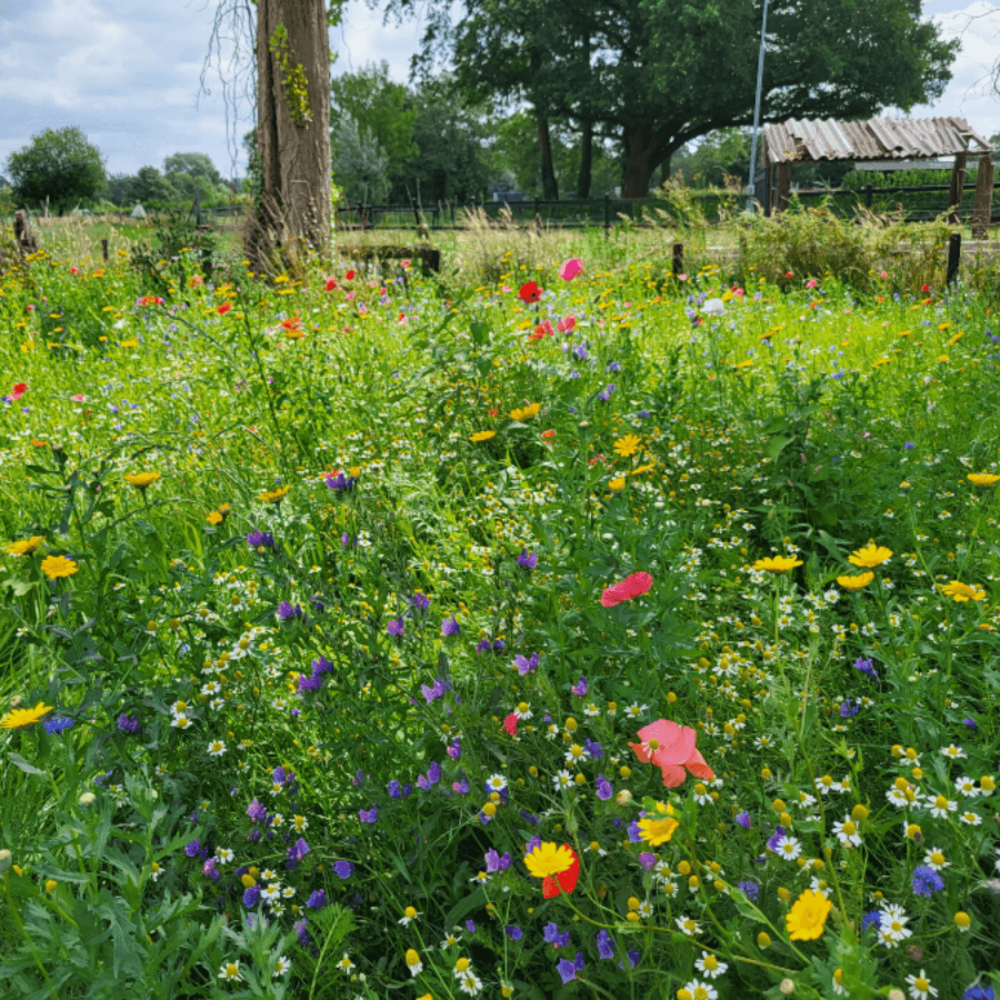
x=510 y=723
x=566 y=324
x=18 y=391
x=811 y=283
x=571 y=269
x=632 y=586
x=79 y=398
x=671 y=748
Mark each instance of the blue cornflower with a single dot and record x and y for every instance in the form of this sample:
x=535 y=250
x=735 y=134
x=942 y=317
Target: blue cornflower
x=971 y=723
x=743 y=819
x=317 y=900
x=193 y=848
x=450 y=627
x=251 y=897
x=513 y=932
x=128 y=723
x=633 y=957
x=605 y=944
x=343 y=869
x=909 y=446
x=340 y=483
x=593 y=748
x=926 y=881
x=286 y=611
x=750 y=889
x=369 y=815
x=420 y=601
x=604 y=788
x=260 y=539
x=873 y=918
x=568 y=970
x=58 y=724
x=978 y=992
x=527 y=560
x=866 y=667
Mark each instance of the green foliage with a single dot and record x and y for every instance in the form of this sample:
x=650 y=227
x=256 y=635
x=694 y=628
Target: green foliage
x=294 y=83
x=59 y=166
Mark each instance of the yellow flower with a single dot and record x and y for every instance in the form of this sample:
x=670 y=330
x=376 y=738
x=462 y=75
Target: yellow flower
x=657 y=831
x=628 y=445
x=274 y=496
x=777 y=564
x=616 y=484
x=527 y=413
x=25 y=547
x=142 y=480
x=548 y=859
x=214 y=517
x=962 y=592
x=51 y=885
x=134 y=342
x=18 y=718
x=870 y=556
x=855 y=582
x=982 y=479
x=482 y=436
x=807 y=916
x=55 y=567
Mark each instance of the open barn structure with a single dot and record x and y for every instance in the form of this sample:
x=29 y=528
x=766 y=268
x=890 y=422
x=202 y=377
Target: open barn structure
x=880 y=140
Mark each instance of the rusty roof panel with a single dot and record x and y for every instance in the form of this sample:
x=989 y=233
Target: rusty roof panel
x=802 y=141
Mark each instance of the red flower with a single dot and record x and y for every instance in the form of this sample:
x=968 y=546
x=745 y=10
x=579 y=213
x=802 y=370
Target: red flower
x=530 y=292
x=632 y=586
x=331 y=284
x=671 y=748
x=510 y=723
x=18 y=391
x=548 y=435
x=493 y=412
x=789 y=274
x=350 y=275
x=926 y=288
x=565 y=881
x=224 y=308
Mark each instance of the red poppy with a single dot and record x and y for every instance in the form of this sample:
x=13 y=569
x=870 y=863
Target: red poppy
x=331 y=284
x=510 y=723
x=493 y=412
x=671 y=748
x=565 y=881
x=530 y=292
x=224 y=308
x=926 y=288
x=350 y=275
x=548 y=435
x=632 y=586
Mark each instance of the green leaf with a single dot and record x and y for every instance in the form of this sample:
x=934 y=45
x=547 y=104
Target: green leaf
x=19 y=761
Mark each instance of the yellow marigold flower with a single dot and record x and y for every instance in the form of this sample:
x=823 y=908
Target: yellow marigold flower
x=274 y=496
x=870 y=556
x=777 y=564
x=982 y=479
x=549 y=859
x=25 y=547
x=526 y=413
x=214 y=517
x=55 y=567
x=617 y=484
x=962 y=592
x=807 y=917
x=482 y=436
x=51 y=885
x=628 y=445
x=19 y=718
x=141 y=480
x=855 y=582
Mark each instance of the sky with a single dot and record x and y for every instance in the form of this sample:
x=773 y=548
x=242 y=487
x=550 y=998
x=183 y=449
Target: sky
x=128 y=73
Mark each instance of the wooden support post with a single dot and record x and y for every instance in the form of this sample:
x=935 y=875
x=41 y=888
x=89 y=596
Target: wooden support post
x=784 y=186
x=767 y=187
x=104 y=249
x=197 y=206
x=954 y=256
x=678 y=267
x=955 y=191
x=982 y=207
x=23 y=236
x=607 y=214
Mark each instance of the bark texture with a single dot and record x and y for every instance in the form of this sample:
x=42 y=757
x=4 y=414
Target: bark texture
x=293 y=214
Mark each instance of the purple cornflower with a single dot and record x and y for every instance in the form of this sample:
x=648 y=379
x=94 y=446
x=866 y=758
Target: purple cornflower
x=847 y=710
x=606 y=394
x=647 y=860
x=210 y=871
x=552 y=936
x=395 y=626
x=312 y=683
x=257 y=811
x=317 y=900
x=614 y=366
x=298 y=850
x=633 y=957
x=497 y=862
x=772 y=842
x=743 y=819
x=260 y=539
x=278 y=775
x=593 y=748
x=580 y=687
x=634 y=833
x=343 y=869
x=909 y=446
x=978 y=992
x=348 y=542
x=439 y=688
x=420 y=601
x=605 y=944
x=321 y=666
x=866 y=667
x=58 y=724
x=286 y=611
x=460 y=787
x=513 y=932
x=750 y=889
x=193 y=848
x=470 y=926
x=971 y=723
x=527 y=560
x=394 y=790
x=128 y=724
x=340 y=483
x=526 y=666
x=450 y=627
x=926 y=881
x=454 y=750
x=568 y=970
x=604 y=788
x=873 y=918
x=368 y=816
x=251 y=897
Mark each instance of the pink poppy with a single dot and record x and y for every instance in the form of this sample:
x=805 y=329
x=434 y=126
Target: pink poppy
x=566 y=324
x=672 y=749
x=632 y=586
x=571 y=269
x=18 y=391
x=510 y=723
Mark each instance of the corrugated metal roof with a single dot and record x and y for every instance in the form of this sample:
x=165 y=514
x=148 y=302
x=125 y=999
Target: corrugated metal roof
x=801 y=141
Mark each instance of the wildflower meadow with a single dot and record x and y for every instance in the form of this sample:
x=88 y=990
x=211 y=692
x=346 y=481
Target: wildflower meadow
x=586 y=631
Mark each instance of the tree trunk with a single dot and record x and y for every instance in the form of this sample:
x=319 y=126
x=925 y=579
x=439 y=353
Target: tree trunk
x=550 y=186
x=586 y=161
x=643 y=153
x=292 y=215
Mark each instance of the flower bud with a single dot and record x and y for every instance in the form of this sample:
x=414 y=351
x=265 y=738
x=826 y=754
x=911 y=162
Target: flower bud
x=787 y=987
x=86 y=799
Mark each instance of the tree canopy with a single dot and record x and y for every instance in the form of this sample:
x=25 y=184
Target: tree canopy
x=60 y=165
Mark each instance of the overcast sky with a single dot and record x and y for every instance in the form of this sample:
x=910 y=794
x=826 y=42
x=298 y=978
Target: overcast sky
x=127 y=73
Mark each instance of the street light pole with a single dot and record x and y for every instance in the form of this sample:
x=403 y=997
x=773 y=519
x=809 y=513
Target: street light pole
x=756 y=111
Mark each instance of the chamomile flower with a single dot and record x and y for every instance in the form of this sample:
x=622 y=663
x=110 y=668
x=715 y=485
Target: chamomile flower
x=688 y=926
x=224 y=855
x=450 y=941
x=216 y=748
x=935 y=859
x=847 y=832
x=920 y=987
x=409 y=914
x=230 y=971
x=970 y=818
x=698 y=990
x=966 y=786
x=635 y=710
x=562 y=779
x=574 y=754
x=345 y=964
x=940 y=806
x=591 y=710
x=709 y=965
x=954 y=753
x=788 y=848
x=281 y=966
x=496 y=783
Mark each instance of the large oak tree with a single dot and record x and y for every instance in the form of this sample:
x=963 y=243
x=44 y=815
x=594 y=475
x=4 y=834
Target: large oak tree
x=658 y=73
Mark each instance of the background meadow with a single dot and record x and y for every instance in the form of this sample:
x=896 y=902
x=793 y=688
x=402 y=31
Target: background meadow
x=329 y=600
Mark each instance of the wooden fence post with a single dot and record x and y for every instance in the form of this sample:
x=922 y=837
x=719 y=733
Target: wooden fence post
x=678 y=267
x=607 y=214
x=784 y=186
x=982 y=206
x=868 y=196
x=954 y=255
x=104 y=250
x=955 y=190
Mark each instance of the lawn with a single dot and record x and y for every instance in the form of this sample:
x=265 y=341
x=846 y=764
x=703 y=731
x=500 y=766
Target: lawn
x=525 y=630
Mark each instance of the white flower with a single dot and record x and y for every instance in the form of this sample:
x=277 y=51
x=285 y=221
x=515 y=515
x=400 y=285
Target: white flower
x=955 y=753
x=271 y=893
x=788 y=848
x=710 y=966
x=562 y=779
x=158 y=871
x=714 y=307
x=897 y=797
x=635 y=709
x=224 y=856
x=920 y=986
x=971 y=818
x=688 y=926
x=935 y=859
x=496 y=782
x=470 y=983
x=181 y=722
x=451 y=940
x=300 y=823
x=892 y=925
x=703 y=991
x=847 y=832
x=281 y=966
x=230 y=970
x=940 y=806
x=216 y=748
x=966 y=786
x=345 y=964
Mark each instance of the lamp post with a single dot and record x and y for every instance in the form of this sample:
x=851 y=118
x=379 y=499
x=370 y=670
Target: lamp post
x=756 y=111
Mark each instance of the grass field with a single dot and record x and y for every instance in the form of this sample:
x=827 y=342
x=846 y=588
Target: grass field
x=526 y=630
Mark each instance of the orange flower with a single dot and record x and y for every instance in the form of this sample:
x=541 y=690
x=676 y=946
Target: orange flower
x=671 y=748
x=225 y=307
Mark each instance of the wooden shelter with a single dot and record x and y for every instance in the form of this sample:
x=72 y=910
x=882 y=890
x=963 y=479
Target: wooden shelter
x=882 y=139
